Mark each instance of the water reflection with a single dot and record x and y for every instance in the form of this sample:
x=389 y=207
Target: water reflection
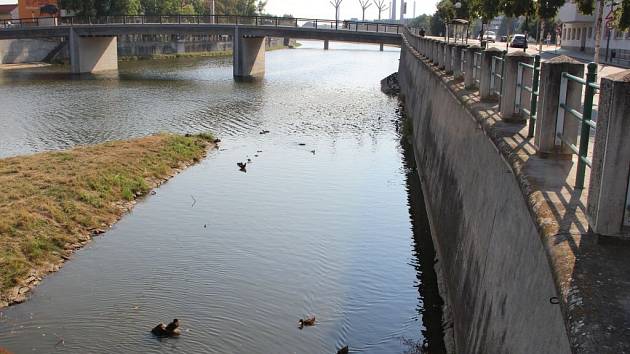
x=326 y=233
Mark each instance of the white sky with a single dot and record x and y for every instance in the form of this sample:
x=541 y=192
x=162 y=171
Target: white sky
x=349 y=8
x=323 y=9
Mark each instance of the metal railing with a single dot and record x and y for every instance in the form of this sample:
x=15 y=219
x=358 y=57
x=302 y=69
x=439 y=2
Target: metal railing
x=520 y=106
x=584 y=118
x=477 y=68
x=262 y=21
x=497 y=74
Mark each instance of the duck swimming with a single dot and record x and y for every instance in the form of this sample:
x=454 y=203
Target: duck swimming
x=306 y=322
x=344 y=350
x=172 y=330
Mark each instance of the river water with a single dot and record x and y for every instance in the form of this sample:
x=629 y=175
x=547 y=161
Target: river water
x=328 y=220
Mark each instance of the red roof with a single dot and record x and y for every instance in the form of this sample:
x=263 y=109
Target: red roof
x=6 y=9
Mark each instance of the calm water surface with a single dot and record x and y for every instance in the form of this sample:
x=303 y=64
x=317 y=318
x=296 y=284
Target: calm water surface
x=334 y=228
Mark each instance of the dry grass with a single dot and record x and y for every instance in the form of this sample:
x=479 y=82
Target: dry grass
x=55 y=199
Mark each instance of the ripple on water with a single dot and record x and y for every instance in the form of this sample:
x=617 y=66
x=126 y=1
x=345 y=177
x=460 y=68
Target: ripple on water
x=325 y=233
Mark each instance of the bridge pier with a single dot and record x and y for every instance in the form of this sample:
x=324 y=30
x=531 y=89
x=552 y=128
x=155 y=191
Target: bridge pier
x=92 y=54
x=248 y=56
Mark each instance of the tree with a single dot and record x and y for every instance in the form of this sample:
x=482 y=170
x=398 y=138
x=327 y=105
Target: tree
x=336 y=4
x=237 y=7
x=422 y=21
x=446 y=11
x=102 y=7
x=486 y=10
x=382 y=6
x=437 y=26
x=365 y=4
x=124 y=7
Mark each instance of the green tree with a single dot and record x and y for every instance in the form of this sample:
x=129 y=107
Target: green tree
x=123 y=7
x=437 y=26
x=422 y=21
x=238 y=7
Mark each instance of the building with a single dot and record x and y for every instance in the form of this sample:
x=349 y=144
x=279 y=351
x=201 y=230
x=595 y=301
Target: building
x=578 y=31
x=7 y=11
x=30 y=8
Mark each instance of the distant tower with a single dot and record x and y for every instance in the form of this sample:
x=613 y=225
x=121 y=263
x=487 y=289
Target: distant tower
x=393 y=7
x=403 y=9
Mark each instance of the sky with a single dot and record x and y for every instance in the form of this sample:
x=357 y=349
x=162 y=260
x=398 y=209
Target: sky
x=349 y=8
x=323 y=9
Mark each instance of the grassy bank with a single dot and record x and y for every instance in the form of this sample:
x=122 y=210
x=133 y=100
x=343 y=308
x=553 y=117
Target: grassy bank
x=52 y=203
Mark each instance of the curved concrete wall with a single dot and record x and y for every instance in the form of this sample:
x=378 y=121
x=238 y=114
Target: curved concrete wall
x=497 y=278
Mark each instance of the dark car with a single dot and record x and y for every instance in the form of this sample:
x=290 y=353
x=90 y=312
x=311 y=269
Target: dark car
x=518 y=41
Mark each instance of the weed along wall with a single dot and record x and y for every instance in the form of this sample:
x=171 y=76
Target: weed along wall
x=497 y=279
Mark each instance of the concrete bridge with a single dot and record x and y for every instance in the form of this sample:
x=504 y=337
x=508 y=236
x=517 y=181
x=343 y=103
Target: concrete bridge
x=93 y=40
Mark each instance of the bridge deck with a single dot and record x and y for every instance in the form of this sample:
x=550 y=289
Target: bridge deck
x=365 y=32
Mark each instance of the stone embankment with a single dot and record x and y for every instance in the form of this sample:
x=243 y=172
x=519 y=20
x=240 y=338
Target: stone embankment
x=523 y=271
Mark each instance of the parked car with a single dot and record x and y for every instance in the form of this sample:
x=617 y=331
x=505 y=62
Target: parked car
x=504 y=38
x=490 y=36
x=518 y=41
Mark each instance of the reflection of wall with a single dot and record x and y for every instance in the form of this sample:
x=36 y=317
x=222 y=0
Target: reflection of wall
x=30 y=8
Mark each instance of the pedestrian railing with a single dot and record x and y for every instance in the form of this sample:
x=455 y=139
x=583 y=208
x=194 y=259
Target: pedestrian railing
x=477 y=68
x=584 y=118
x=528 y=108
x=497 y=72
x=462 y=61
x=262 y=21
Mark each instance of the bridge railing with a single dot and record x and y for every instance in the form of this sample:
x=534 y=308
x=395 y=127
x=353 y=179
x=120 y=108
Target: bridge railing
x=528 y=108
x=565 y=123
x=262 y=21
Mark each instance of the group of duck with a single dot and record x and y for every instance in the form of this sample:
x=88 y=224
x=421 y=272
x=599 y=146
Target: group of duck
x=172 y=330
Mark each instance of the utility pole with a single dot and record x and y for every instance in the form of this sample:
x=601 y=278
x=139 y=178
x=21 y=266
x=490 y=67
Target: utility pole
x=393 y=7
x=598 y=29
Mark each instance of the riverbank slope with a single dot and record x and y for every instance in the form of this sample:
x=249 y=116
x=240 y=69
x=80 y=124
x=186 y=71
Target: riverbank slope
x=53 y=203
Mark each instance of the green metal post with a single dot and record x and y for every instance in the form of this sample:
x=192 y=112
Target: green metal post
x=591 y=77
x=534 y=101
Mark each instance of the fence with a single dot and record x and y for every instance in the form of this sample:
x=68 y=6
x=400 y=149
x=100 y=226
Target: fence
x=462 y=61
x=262 y=21
x=566 y=123
x=584 y=118
x=477 y=68
x=497 y=74
x=532 y=89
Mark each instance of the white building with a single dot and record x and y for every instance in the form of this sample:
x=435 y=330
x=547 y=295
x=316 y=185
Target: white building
x=578 y=32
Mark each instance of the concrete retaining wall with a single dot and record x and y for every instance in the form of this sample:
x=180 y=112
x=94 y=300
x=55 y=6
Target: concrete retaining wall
x=497 y=277
x=15 y=51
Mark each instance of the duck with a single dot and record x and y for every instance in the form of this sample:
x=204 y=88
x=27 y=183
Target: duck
x=242 y=166
x=344 y=350
x=172 y=330
x=306 y=322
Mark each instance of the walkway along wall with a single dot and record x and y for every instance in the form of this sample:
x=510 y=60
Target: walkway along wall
x=497 y=277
